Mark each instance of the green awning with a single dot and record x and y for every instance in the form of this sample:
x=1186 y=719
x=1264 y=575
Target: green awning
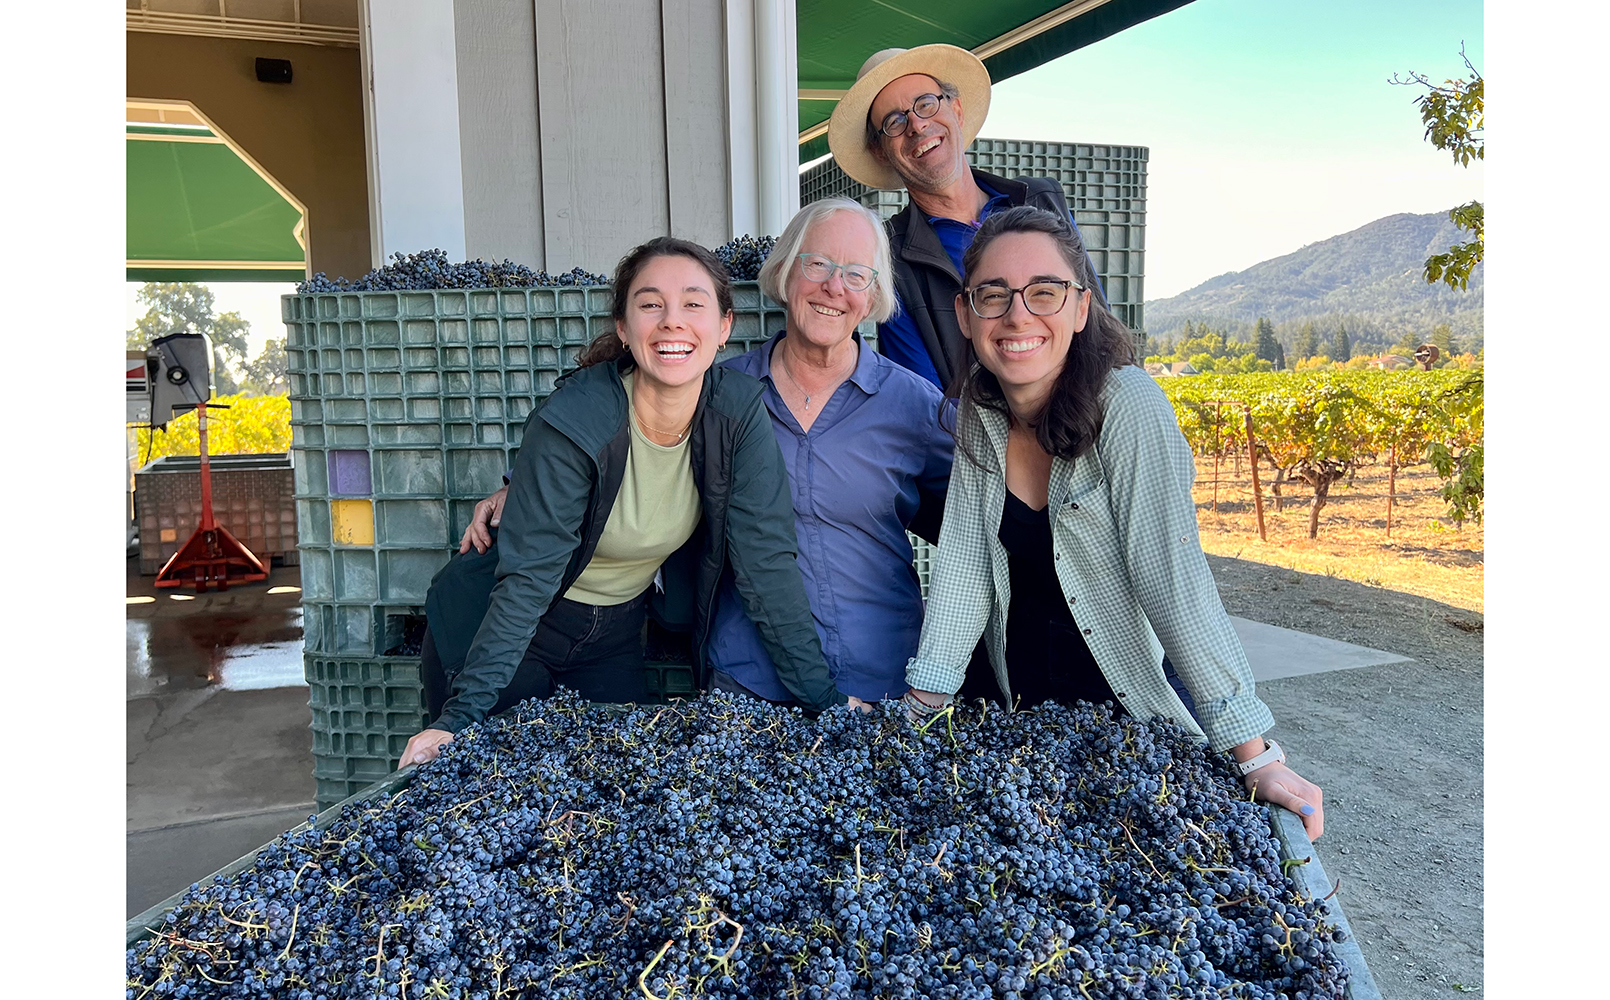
x=836 y=36
x=197 y=211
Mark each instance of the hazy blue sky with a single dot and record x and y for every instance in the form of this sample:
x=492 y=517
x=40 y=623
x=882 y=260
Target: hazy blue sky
x=1270 y=123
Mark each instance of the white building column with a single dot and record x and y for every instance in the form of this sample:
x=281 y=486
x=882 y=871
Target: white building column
x=763 y=114
x=410 y=103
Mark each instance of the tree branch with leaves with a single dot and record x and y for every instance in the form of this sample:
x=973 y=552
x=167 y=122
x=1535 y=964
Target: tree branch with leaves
x=1453 y=115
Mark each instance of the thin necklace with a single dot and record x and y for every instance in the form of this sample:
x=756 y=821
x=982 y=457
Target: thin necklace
x=650 y=427
x=783 y=364
x=645 y=425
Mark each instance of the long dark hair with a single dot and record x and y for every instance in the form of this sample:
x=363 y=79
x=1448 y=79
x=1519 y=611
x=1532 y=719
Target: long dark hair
x=1068 y=425
x=607 y=346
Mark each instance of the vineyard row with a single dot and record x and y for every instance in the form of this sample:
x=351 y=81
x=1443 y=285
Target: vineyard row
x=1319 y=427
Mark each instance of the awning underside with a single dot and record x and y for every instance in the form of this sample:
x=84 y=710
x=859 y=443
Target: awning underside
x=836 y=36
x=197 y=212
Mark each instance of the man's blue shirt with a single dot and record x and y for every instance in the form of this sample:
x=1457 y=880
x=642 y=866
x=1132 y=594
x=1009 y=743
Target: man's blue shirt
x=899 y=338
x=856 y=478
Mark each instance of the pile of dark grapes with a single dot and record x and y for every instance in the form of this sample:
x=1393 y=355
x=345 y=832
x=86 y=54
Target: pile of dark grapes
x=744 y=255
x=727 y=848
x=431 y=269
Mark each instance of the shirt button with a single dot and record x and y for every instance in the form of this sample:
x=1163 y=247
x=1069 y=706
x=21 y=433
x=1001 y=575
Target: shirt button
x=1073 y=600
x=1073 y=506
x=1087 y=631
x=1122 y=695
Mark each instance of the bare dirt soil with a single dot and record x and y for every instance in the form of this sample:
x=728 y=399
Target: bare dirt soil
x=1398 y=751
x=1426 y=554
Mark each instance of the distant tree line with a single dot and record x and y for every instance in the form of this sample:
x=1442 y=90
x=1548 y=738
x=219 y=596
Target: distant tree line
x=188 y=307
x=1322 y=342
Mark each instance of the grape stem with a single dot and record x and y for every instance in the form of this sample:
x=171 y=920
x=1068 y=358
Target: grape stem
x=724 y=960
x=643 y=976
x=1142 y=853
x=288 y=941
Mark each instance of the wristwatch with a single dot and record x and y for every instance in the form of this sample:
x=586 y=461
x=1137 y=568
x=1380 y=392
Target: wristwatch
x=1272 y=754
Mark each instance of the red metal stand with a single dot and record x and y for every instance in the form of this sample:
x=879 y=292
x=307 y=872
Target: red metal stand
x=212 y=555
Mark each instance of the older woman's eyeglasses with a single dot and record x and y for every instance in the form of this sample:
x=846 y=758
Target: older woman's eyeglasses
x=857 y=277
x=1042 y=298
x=895 y=122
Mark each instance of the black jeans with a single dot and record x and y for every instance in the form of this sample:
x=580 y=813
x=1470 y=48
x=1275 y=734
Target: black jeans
x=596 y=650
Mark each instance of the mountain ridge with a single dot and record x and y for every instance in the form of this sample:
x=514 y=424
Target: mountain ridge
x=1368 y=280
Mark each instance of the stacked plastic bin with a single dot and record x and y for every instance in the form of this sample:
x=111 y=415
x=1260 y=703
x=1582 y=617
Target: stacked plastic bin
x=1105 y=187
x=406 y=409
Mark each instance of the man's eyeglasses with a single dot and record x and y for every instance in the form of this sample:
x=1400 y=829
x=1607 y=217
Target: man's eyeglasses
x=895 y=122
x=1042 y=298
x=857 y=277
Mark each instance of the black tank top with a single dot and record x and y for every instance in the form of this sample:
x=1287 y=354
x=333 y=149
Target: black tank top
x=1046 y=655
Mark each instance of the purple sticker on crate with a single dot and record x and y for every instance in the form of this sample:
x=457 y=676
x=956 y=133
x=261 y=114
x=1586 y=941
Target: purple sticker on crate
x=349 y=474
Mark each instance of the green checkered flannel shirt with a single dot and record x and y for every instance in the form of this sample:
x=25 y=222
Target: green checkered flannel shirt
x=1128 y=557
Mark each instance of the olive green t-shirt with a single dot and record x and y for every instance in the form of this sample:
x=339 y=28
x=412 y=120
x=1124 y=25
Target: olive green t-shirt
x=655 y=511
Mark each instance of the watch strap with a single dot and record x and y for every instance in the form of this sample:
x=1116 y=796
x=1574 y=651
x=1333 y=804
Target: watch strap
x=1272 y=754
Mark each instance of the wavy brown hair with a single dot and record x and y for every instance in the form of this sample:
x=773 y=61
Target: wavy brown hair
x=1070 y=422
x=607 y=346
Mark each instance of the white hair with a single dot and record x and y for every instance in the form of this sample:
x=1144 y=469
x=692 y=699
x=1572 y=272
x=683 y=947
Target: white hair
x=774 y=273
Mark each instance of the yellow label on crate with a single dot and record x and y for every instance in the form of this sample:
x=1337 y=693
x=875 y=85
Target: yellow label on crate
x=352 y=522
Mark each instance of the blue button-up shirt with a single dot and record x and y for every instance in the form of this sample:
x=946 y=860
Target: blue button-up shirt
x=899 y=338
x=857 y=478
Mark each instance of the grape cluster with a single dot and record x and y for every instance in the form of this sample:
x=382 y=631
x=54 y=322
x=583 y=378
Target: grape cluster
x=730 y=848
x=431 y=269
x=744 y=255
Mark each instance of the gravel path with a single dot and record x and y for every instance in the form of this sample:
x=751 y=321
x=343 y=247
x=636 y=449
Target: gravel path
x=1398 y=750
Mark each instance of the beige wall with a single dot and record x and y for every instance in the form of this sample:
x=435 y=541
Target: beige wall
x=308 y=134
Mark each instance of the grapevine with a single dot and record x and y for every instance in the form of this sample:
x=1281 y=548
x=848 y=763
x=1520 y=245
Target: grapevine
x=1318 y=427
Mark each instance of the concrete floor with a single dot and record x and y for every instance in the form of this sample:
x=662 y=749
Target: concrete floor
x=219 y=754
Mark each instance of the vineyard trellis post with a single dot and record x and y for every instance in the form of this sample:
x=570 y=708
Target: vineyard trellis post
x=1252 y=457
x=1218 y=449
x=1391 y=488
x=1252 y=463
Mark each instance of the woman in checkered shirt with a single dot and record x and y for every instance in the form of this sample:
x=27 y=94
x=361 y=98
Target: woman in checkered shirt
x=1069 y=538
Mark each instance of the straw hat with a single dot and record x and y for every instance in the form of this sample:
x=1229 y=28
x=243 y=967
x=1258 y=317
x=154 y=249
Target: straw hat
x=846 y=130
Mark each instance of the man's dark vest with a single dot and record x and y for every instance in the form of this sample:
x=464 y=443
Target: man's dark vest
x=927 y=283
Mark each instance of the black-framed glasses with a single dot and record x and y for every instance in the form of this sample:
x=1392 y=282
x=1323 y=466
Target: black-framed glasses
x=895 y=122
x=1042 y=298
x=857 y=277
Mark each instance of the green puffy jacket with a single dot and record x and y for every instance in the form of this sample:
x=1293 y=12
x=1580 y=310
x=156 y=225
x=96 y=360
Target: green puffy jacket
x=569 y=469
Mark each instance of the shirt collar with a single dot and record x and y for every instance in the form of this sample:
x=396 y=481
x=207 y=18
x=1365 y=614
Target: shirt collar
x=868 y=376
x=989 y=206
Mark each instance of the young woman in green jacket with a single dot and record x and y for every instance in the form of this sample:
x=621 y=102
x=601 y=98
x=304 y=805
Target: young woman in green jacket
x=1069 y=539
x=639 y=480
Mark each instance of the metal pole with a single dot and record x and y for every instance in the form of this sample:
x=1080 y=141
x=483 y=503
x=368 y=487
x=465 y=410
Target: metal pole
x=207 y=523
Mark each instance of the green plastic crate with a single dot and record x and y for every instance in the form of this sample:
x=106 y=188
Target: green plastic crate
x=365 y=709
x=1105 y=186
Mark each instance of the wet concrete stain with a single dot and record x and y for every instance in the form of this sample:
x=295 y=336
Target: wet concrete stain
x=232 y=651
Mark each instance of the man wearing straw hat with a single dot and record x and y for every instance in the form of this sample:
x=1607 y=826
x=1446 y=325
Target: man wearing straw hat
x=907 y=122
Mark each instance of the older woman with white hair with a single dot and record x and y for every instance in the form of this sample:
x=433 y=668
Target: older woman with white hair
x=867 y=459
